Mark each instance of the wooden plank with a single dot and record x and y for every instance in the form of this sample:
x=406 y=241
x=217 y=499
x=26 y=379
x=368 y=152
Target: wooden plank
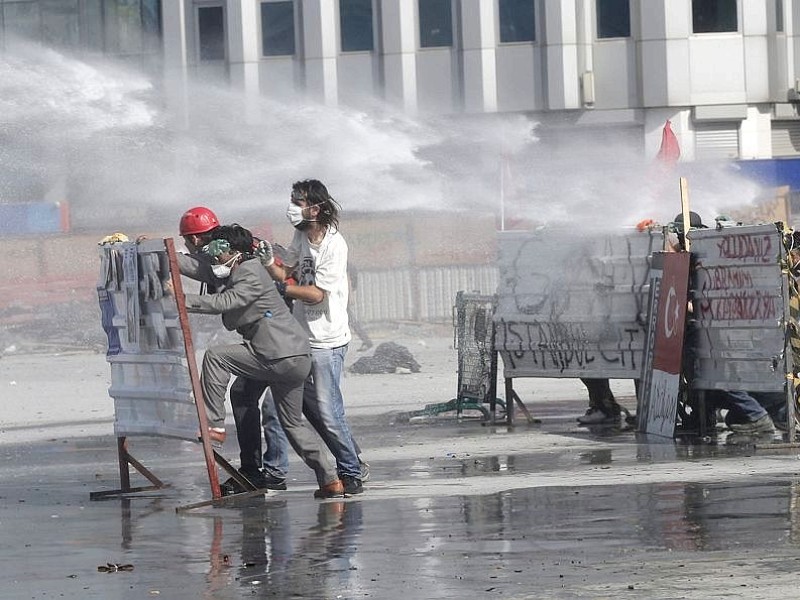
x=194 y=375
x=684 y=185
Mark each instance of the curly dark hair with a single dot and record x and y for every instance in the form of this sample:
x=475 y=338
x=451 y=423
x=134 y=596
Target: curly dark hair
x=316 y=194
x=240 y=239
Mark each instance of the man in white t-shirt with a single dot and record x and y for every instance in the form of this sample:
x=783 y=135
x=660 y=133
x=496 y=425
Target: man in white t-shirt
x=317 y=260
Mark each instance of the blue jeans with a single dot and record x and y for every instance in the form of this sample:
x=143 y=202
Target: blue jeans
x=276 y=456
x=774 y=403
x=323 y=405
x=745 y=408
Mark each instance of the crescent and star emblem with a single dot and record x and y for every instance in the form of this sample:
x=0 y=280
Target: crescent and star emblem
x=672 y=311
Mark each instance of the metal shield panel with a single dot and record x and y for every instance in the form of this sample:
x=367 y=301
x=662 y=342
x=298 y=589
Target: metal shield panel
x=738 y=323
x=149 y=374
x=573 y=303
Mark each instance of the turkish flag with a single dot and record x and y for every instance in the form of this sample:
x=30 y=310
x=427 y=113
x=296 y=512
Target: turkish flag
x=670 y=150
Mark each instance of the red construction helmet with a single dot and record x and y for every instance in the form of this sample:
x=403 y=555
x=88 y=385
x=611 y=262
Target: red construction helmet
x=198 y=220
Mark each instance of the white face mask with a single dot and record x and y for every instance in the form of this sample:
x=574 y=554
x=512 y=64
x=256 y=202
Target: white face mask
x=295 y=214
x=221 y=271
x=224 y=271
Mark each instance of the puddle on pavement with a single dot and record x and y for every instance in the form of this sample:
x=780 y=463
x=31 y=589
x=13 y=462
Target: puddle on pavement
x=287 y=545
x=649 y=450
x=444 y=547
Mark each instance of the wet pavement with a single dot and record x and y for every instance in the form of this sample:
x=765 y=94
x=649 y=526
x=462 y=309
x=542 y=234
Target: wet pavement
x=556 y=512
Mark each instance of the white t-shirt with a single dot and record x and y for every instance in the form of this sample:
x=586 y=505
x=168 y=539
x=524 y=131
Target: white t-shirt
x=323 y=265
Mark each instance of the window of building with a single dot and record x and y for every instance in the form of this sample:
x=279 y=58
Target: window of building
x=211 y=32
x=517 y=21
x=22 y=19
x=613 y=18
x=61 y=24
x=123 y=30
x=714 y=16
x=355 y=21
x=779 y=16
x=93 y=27
x=277 y=28
x=151 y=17
x=435 y=23
x=120 y=28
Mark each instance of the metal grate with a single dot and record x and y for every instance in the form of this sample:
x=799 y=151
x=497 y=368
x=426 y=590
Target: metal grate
x=473 y=322
x=474 y=340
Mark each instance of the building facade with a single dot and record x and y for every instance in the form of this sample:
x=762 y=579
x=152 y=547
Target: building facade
x=726 y=73
x=723 y=71
x=129 y=30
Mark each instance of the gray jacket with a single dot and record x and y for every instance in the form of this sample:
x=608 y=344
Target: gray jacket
x=249 y=303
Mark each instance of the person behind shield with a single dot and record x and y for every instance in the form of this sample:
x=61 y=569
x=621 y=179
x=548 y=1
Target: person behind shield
x=745 y=415
x=603 y=407
x=197 y=226
x=274 y=350
x=775 y=402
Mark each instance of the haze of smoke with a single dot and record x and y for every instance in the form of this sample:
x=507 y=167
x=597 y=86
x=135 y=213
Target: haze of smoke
x=605 y=179
x=114 y=143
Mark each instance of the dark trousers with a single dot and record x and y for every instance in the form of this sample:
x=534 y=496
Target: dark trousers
x=600 y=396
x=245 y=395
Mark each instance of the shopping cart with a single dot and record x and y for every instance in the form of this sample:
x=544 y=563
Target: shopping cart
x=477 y=360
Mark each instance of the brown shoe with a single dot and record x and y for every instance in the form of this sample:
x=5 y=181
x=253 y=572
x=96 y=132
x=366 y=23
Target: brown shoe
x=335 y=489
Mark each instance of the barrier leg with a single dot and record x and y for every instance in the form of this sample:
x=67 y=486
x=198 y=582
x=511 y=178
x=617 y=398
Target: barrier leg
x=511 y=398
x=125 y=462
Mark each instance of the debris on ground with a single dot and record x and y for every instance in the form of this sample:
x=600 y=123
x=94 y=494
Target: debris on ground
x=389 y=357
x=114 y=568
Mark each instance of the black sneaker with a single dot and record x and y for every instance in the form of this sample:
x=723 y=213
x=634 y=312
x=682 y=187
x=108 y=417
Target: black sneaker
x=352 y=485
x=262 y=481
x=274 y=483
x=253 y=477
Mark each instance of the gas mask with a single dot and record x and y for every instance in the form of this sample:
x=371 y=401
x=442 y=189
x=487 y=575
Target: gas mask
x=223 y=271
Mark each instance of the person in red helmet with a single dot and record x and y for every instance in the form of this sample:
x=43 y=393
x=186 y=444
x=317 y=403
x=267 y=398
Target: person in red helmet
x=196 y=226
x=274 y=348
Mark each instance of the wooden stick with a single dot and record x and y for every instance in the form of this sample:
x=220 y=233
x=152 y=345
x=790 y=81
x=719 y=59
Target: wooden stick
x=685 y=212
x=194 y=376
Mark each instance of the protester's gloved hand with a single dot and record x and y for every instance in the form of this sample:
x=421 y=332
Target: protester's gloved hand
x=265 y=253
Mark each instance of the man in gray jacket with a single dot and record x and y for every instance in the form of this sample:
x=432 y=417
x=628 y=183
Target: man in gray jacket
x=275 y=348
